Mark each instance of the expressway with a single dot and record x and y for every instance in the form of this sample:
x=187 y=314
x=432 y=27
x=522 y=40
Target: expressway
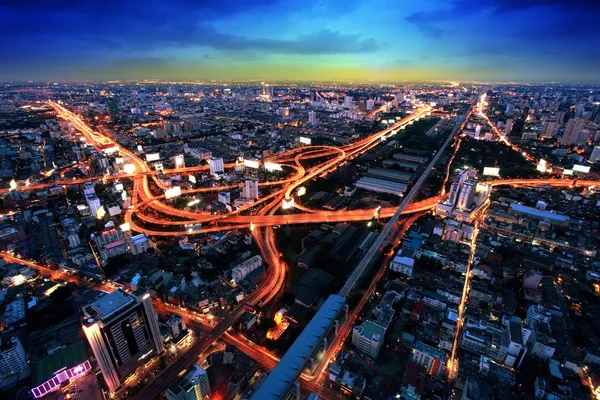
x=166 y=220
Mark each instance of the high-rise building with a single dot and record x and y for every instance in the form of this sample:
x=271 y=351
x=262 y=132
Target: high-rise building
x=467 y=194
x=113 y=108
x=348 y=101
x=368 y=338
x=251 y=189
x=312 y=118
x=216 y=165
x=370 y=104
x=193 y=385
x=431 y=358
x=573 y=132
x=508 y=126
x=13 y=362
x=122 y=331
x=550 y=129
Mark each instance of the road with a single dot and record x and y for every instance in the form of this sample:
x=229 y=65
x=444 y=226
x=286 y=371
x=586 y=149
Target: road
x=148 y=209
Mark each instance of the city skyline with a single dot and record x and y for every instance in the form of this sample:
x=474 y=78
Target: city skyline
x=491 y=40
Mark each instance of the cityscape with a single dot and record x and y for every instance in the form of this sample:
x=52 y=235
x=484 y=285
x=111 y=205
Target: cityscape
x=324 y=213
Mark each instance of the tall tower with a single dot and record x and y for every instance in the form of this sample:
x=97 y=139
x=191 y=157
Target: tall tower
x=467 y=194
x=122 y=331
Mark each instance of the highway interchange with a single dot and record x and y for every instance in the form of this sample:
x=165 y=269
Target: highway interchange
x=150 y=214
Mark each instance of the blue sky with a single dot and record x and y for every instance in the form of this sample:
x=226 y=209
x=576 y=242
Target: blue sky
x=525 y=40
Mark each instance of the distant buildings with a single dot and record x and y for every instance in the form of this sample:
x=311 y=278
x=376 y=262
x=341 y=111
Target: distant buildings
x=122 y=331
x=193 y=385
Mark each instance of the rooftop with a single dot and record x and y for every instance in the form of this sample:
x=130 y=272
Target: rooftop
x=110 y=303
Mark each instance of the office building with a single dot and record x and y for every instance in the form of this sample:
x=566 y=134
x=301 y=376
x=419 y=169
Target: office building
x=122 y=331
x=216 y=165
x=193 y=385
x=250 y=191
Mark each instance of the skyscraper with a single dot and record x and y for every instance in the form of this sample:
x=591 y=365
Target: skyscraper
x=550 y=129
x=467 y=194
x=193 y=385
x=573 y=132
x=113 y=108
x=122 y=331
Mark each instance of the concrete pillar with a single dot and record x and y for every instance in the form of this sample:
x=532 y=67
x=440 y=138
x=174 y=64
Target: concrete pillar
x=325 y=343
x=346 y=309
x=337 y=327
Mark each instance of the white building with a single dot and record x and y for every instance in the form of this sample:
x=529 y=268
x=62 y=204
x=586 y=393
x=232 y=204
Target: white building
x=13 y=362
x=242 y=270
x=368 y=338
x=250 y=191
x=216 y=165
x=193 y=385
x=403 y=265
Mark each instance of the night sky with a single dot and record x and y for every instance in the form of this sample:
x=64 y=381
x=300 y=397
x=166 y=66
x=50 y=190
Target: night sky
x=503 y=40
